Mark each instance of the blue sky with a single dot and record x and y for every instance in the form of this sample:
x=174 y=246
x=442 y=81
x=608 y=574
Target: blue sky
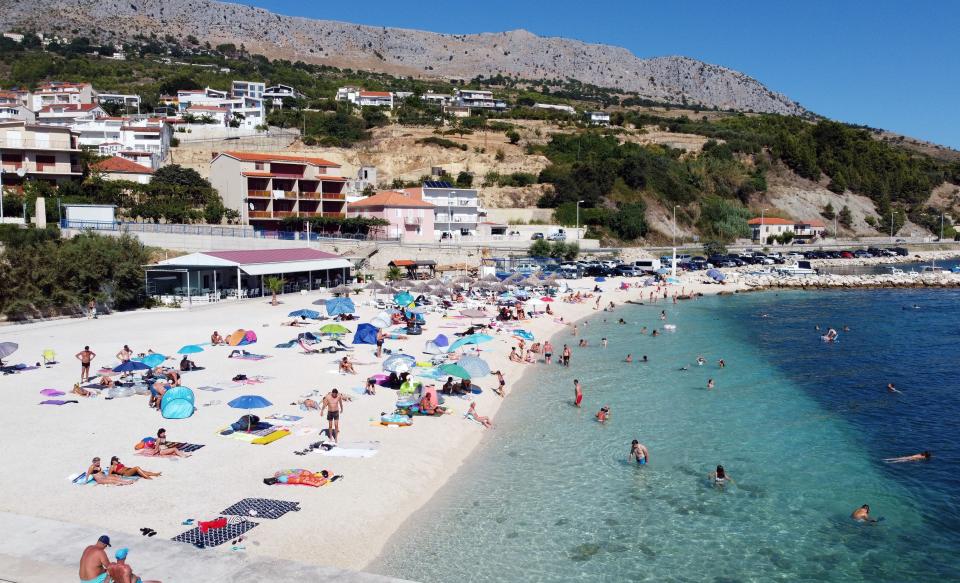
x=884 y=63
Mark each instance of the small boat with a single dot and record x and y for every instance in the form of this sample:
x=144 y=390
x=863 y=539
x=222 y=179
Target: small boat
x=955 y=269
x=896 y=271
x=798 y=268
x=932 y=269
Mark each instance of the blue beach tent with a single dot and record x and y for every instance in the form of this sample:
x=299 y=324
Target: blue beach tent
x=366 y=334
x=177 y=403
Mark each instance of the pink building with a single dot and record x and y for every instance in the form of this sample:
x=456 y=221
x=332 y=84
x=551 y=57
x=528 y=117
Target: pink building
x=411 y=219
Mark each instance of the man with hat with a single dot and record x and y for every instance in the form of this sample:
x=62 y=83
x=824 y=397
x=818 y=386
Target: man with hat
x=94 y=561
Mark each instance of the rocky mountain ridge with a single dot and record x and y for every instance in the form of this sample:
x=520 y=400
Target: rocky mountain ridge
x=517 y=53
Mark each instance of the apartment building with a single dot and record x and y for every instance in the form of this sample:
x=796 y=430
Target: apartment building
x=145 y=141
x=456 y=210
x=475 y=98
x=129 y=102
x=277 y=93
x=69 y=114
x=245 y=111
x=598 y=118
x=12 y=108
x=410 y=218
x=39 y=152
x=241 y=89
x=267 y=187
x=59 y=93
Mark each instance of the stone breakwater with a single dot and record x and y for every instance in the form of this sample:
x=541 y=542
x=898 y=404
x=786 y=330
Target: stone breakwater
x=831 y=281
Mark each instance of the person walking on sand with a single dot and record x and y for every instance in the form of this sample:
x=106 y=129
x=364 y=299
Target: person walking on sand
x=577 y=392
x=380 y=338
x=94 y=561
x=547 y=352
x=85 y=357
x=333 y=405
x=92 y=309
x=638 y=453
x=502 y=390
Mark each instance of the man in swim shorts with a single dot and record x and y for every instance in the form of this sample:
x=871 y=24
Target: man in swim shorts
x=547 y=352
x=85 y=357
x=577 y=392
x=333 y=405
x=94 y=562
x=862 y=514
x=638 y=453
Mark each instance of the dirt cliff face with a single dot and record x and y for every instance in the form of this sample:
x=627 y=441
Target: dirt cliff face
x=515 y=53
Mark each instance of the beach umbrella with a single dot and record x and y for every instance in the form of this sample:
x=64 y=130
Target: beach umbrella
x=320 y=302
x=649 y=281
x=532 y=282
x=473 y=313
x=312 y=314
x=403 y=299
x=475 y=366
x=249 y=402
x=334 y=329
x=153 y=360
x=490 y=278
x=381 y=320
x=399 y=363
x=441 y=340
x=471 y=339
x=514 y=278
x=130 y=366
x=190 y=349
x=599 y=279
x=464 y=279
x=337 y=306
x=421 y=288
x=716 y=274
x=434 y=282
x=375 y=285
x=547 y=299
x=8 y=348
x=453 y=370
x=340 y=289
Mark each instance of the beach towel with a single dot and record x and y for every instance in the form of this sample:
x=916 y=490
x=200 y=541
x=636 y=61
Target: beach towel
x=271 y=437
x=57 y=402
x=278 y=419
x=262 y=508
x=253 y=357
x=182 y=446
x=81 y=478
x=215 y=536
x=210 y=388
x=52 y=393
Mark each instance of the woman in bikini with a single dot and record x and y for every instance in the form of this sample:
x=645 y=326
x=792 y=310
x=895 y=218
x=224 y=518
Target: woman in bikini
x=161 y=448
x=118 y=469
x=99 y=477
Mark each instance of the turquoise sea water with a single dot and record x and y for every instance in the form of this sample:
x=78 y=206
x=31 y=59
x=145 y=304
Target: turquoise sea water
x=801 y=426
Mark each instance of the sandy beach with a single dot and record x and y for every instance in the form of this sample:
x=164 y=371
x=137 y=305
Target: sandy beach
x=344 y=524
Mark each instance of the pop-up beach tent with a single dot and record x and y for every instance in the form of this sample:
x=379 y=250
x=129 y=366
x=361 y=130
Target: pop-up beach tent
x=366 y=334
x=177 y=403
x=242 y=338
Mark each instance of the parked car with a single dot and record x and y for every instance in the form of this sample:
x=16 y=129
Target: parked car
x=846 y=254
x=560 y=235
x=647 y=265
x=536 y=236
x=598 y=271
x=697 y=264
x=862 y=254
x=627 y=270
x=901 y=251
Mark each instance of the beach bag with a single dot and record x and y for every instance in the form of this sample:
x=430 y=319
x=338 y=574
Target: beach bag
x=246 y=423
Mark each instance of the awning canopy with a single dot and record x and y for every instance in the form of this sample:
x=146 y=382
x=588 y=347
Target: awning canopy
x=259 y=262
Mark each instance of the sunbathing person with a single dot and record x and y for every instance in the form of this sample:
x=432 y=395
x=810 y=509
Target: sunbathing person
x=428 y=406
x=308 y=404
x=117 y=468
x=307 y=349
x=447 y=387
x=107 y=382
x=160 y=447
x=295 y=322
x=78 y=390
x=346 y=366
x=99 y=477
x=216 y=339
x=472 y=413
x=187 y=365
x=238 y=352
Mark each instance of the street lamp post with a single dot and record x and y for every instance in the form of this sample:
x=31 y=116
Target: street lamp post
x=760 y=230
x=578 y=220
x=673 y=268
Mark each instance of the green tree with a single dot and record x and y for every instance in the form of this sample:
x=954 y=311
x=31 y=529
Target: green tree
x=714 y=247
x=464 y=180
x=828 y=212
x=275 y=285
x=630 y=221
x=540 y=248
x=513 y=136
x=394 y=273
x=845 y=217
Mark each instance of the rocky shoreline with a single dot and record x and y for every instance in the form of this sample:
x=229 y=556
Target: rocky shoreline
x=831 y=281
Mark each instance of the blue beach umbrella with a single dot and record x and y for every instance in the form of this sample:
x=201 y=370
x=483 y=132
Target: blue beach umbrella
x=399 y=363
x=249 y=402
x=312 y=314
x=153 y=360
x=337 y=306
x=441 y=340
x=716 y=274
x=599 y=279
x=471 y=339
x=523 y=334
x=403 y=299
x=130 y=366
x=190 y=349
x=476 y=366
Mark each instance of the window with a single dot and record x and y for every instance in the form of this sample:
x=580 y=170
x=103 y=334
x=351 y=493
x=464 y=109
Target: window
x=258 y=165
x=45 y=162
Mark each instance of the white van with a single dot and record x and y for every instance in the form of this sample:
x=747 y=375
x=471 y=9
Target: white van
x=647 y=265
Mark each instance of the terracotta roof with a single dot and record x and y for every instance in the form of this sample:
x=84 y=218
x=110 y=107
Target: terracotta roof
x=121 y=166
x=769 y=221
x=259 y=174
x=815 y=223
x=69 y=107
x=415 y=192
x=391 y=199
x=265 y=157
x=271 y=255
x=374 y=94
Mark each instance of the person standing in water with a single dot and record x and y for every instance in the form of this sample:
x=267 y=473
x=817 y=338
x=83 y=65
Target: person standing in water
x=720 y=477
x=709 y=384
x=547 y=352
x=862 y=514
x=629 y=358
x=603 y=414
x=577 y=392
x=565 y=355
x=638 y=453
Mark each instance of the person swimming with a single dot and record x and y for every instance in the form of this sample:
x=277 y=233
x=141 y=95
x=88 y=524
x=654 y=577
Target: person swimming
x=862 y=514
x=720 y=477
x=701 y=361
x=629 y=358
x=603 y=414
x=917 y=457
x=891 y=388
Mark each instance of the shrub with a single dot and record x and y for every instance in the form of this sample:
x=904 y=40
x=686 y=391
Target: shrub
x=442 y=142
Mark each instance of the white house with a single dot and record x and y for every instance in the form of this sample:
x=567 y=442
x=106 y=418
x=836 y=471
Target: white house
x=277 y=93
x=117 y=168
x=127 y=100
x=241 y=89
x=762 y=228
x=478 y=99
x=59 y=93
x=364 y=98
x=145 y=141
x=456 y=210
x=600 y=118
x=13 y=108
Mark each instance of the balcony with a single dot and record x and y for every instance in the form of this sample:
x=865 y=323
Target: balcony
x=310 y=195
x=290 y=194
x=261 y=214
x=334 y=196
x=336 y=215
x=259 y=194
x=284 y=214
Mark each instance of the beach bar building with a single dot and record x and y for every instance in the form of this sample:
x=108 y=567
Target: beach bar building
x=210 y=276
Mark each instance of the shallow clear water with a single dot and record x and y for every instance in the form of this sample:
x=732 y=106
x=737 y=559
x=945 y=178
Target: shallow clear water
x=843 y=269
x=802 y=426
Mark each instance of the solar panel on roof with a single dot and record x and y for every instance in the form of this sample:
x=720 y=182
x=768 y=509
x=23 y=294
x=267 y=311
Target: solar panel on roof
x=437 y=184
